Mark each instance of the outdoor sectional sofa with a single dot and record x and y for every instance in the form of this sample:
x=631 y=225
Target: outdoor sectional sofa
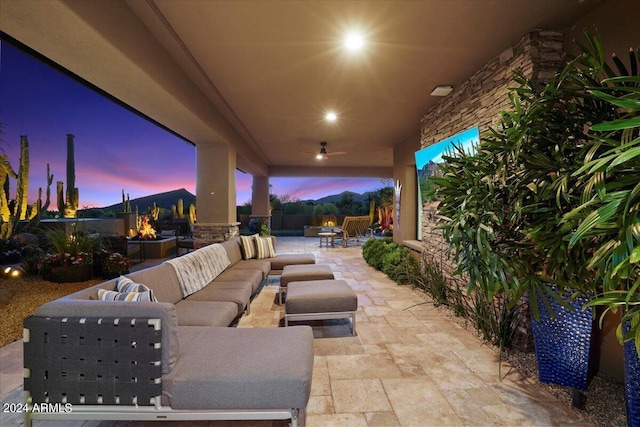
x=174 y=359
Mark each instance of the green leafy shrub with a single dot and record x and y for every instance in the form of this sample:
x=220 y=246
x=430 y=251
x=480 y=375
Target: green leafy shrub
x=374 y=249
x=399 y=264
x=395 y=261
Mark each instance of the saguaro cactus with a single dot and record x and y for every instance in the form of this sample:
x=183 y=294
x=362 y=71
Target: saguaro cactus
x=192 y=213
x=126 y=203
x=11 y=211
x=180 y=209
x=68 y=203
x=177 y=212
x=154 y=211
x=39 y=208
x=6 y=172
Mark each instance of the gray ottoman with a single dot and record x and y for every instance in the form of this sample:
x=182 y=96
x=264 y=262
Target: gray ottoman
x=303 y=273
x=320 y=299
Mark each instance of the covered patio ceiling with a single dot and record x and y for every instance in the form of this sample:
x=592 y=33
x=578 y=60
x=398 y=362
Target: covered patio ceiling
x=261 y=75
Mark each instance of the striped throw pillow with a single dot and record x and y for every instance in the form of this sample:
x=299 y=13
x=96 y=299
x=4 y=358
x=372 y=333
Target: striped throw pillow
x=105 y=295
x=265 y=247
x=248 y=246
x=124 y=284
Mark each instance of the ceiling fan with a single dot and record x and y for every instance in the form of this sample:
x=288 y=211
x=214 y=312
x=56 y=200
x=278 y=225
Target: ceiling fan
x=323 y=155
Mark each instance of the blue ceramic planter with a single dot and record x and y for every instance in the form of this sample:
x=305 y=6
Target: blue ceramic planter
x=632 y=381
x=562 y=344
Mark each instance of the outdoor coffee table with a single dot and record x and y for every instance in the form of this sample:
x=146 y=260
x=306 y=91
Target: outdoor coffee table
x=319 y=300
x=327 y=236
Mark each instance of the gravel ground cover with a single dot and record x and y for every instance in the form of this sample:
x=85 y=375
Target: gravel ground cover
x=20 y=297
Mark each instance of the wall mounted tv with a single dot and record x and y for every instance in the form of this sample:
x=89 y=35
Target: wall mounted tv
x=427 y=160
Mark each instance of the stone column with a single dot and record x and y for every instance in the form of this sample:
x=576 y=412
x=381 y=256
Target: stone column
x=215 y=194
x=260 y=196
x=260 y=203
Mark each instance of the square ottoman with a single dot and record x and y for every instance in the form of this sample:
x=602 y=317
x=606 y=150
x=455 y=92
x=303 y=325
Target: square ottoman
x=321 y=299
x=303 y=273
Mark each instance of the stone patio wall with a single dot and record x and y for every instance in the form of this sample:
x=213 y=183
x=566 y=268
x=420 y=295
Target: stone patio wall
x=478 y=102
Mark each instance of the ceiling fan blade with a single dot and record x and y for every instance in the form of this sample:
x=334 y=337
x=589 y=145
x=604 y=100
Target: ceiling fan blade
x=337 y=153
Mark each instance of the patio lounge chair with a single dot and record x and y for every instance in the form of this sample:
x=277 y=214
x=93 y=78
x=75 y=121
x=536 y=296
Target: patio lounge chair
x=353 y=227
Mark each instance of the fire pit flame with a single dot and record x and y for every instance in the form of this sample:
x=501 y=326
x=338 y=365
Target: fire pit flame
x=146 y=231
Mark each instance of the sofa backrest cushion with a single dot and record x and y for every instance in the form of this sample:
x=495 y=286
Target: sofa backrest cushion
x=92 y=292
x=233 y=250
x=162 y=279
x=109 y=309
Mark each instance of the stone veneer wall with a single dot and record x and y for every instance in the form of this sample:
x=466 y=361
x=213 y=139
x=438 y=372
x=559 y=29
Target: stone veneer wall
x=478 y=102
x=207 y=234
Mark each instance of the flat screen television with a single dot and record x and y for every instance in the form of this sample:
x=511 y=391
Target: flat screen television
x=427 y=160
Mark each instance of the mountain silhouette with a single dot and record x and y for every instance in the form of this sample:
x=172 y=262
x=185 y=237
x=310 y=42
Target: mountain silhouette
x=335 y=198
x=163 y=200
x=167 y=199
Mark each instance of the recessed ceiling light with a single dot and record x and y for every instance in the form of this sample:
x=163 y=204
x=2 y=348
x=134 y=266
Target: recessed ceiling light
x=331 y=116
x=442 y=90
x=354 y=41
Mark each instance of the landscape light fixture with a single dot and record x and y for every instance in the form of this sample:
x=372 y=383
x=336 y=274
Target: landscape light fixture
x=442 y=90
x=12 y=272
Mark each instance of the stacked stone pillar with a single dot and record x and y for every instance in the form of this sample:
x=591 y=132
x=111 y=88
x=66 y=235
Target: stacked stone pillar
x=215 y=194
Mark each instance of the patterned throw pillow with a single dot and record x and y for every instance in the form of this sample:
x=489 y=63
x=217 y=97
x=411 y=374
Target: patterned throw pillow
x=248 y=246
x=265 y=247
x=105 y=295
x=127 y=290
x=124 y=284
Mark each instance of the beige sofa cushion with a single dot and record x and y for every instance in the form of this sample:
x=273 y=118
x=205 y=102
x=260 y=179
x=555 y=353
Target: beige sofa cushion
x=238 y=292
x=304 y=273
x=241 y=368
x=262 y=265
x=280 y=261
x=254 y=277
x=206 y=313
x=233 y=250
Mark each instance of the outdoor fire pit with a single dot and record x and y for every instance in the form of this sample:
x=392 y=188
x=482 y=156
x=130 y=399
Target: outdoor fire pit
x=153 y=246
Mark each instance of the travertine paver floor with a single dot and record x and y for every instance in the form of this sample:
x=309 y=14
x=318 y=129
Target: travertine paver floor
x=409 y=365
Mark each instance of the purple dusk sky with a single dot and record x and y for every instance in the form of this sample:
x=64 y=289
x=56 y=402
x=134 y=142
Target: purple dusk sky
x=114 y=148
